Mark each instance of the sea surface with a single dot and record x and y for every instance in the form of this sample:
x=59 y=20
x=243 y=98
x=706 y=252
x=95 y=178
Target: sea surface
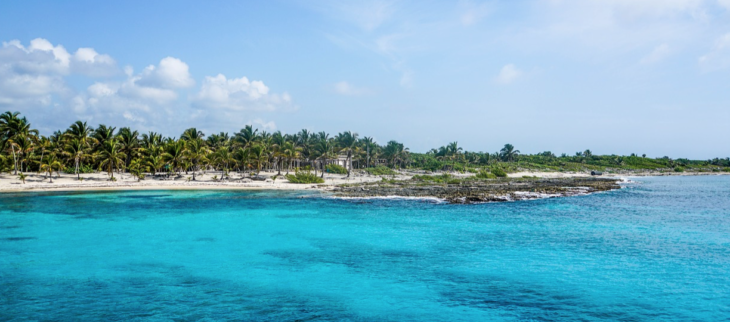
x=657 y=250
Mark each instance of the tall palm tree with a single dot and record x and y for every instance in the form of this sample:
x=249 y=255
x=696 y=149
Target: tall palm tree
x=246 y=137
x=76 y=150
x=175 y=154
x=111 y=157
x=348 y=143
x=196 y=153
x=508 y=153
x=80 y=131
x=368 y=142
x=192 y=134
x=12 y=127
x=129 y=142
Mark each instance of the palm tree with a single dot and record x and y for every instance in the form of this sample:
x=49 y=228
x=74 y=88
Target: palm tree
x=348 y=143
x=454 y=151
x=22 y=177
x=50 y=164
x=246 y=137
x=290 y=152
x=76 y=150
x=102 y=134
x=223 y=158
x=80 y=131
x=111 y=157
x=508 y=153
x=12 y=128
x=129 y=142
x=175 y=154
x=196 y=153
x=368 y=142
x=192 y=134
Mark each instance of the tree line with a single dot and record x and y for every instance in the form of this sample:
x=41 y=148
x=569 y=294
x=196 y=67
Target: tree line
x=82 y=149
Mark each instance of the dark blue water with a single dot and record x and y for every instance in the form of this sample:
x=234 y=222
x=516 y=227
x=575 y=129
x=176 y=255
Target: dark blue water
x=655 y=251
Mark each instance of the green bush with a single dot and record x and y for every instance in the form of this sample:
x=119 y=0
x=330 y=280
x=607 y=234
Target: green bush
x=82 y=169
x=484 y=174
x=499 y=172
x=678 y=169
x=304 y=177
x=381 y=171
x=337 y=169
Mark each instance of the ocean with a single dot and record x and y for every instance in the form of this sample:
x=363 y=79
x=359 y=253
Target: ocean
x=656 y=250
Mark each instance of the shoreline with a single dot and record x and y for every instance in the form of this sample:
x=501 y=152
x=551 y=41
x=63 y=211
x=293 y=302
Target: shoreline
x=98 y=182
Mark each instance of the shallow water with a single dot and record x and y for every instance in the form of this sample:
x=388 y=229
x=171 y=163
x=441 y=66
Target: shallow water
x=654 y=251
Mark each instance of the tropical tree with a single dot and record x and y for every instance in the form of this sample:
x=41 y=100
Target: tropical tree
x=76 y=150
x=12 y=129
x=508 y=153
x=175 y=154
x=50 y=164
x=22 y=177
x=347 y=141
x=111 y=157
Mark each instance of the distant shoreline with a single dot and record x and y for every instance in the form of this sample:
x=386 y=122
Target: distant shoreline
x=98 y=181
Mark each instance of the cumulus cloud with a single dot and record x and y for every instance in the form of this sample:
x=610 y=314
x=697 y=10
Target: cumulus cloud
x=30 y=76
x=656 y=55
x=88 y=62
x=240 y=94
x=170 y=73
x=508 y=74
x=33 y=78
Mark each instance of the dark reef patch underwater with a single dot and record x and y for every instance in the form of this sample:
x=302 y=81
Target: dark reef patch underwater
x=658 y=250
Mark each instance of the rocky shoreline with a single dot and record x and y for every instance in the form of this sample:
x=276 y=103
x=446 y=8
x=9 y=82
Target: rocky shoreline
x=480 y=191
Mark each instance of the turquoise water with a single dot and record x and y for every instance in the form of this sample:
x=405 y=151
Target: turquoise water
x=654 y=251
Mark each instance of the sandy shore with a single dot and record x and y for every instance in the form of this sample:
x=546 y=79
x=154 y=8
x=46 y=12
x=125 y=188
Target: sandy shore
x=100 y=181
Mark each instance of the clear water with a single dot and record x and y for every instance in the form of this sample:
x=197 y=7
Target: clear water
x=655 y=251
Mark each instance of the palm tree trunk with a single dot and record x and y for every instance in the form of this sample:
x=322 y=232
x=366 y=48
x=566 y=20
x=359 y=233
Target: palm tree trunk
x=15 y=159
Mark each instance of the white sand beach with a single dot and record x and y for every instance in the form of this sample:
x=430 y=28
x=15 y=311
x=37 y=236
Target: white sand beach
x=124 y=181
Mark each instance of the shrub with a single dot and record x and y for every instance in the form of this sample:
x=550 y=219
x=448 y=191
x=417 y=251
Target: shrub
x=678 y=169
x=499 y=172
x=304 y=177
x=381 y=171
x=335 y=168
x=484 y=174
x=82 y=169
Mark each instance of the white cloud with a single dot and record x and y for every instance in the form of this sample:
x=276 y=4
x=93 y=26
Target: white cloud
x=508 y=74
x=266 y=126
x=238 y=94
x=88 y=62
x=719 y=56
x=345 y=88
x=170 y=73
x=656 y=55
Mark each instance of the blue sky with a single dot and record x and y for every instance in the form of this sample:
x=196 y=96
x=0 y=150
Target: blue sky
x=621 y=76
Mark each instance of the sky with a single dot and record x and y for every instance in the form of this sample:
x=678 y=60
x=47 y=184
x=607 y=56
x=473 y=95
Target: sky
x=614 y=76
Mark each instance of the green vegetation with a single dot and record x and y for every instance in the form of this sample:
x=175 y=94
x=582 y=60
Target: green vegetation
x=499 y=172
x=83 y=149
x=483 y=174
x=336 y=169
x=304 y=177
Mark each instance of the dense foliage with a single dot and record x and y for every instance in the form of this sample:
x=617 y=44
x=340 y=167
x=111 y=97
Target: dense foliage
x=304 y=177
x=83 y=149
